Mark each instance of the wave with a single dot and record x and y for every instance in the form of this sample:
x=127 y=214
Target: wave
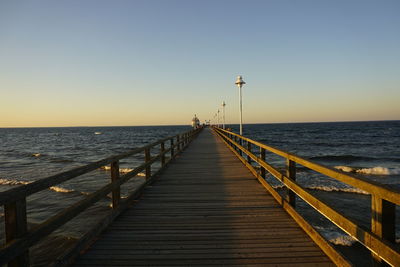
x=339 y=239
x=4 y=181
x=370 y=171
x=59 y=189
x=336 y=189
x=350 y=158
x=121 y=170
x=328 y=189
x=335 y=237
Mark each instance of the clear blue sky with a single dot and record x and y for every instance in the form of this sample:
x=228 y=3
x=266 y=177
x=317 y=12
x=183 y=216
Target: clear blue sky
x=71 y=63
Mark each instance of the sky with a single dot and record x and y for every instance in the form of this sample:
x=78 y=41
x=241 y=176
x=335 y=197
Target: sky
x=148 y=62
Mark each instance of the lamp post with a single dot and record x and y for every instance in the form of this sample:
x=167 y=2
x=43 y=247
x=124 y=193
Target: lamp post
x=218 y=118
x=223 y=114
x=239 y=82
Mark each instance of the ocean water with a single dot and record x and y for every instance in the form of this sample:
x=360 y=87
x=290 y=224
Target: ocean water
x=370 y=149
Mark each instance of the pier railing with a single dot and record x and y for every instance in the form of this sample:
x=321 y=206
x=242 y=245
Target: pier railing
x=380 y=239
x=15 y=251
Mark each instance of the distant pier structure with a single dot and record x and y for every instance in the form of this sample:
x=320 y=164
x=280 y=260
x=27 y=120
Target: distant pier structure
x=195 y=122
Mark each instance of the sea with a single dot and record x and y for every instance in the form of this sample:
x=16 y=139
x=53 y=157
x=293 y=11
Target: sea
x=368 y=149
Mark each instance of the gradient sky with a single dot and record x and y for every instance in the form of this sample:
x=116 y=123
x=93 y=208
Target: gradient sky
x=86 y=63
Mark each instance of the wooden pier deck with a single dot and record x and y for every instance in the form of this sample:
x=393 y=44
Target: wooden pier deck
x=205 y=209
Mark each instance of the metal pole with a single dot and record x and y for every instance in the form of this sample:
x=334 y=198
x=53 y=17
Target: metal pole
x=223 y=114
x=239 y=82
x=218 y=118
x=241 y=115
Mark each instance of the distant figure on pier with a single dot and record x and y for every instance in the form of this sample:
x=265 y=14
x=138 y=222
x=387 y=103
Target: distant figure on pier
x=195 y=122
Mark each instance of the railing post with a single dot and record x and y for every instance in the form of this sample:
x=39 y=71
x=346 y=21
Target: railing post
x=147 y=159
x=116 y=193
x=383 y=224
x=262 y=156
x=178 y=142
x=235 y=139
x=291 y=174
x=16 y=227
x=241 y=144
x=172 y=147
x=162 y=149
x=249 y=149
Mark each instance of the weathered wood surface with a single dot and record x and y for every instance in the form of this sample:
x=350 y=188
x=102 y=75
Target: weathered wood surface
x=206 y=209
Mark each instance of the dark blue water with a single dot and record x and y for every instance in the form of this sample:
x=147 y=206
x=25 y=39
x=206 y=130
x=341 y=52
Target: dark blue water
x=370 y=149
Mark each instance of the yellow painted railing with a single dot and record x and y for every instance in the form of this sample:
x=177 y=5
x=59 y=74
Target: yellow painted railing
x=380 y=239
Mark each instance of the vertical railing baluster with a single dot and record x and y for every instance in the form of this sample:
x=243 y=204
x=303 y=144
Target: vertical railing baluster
x=162 y=149
x=383 y=223
x=291 y=174
x=172 y=147
x=116 y=193
x=249 y=149
x=262 y=156
x=16 y=227
x=147 y=158
x=178 y=143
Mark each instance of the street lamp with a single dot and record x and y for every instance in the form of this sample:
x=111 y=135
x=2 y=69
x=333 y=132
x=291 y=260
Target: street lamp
x=223 y=114
x=239 y=82
x=218 y=118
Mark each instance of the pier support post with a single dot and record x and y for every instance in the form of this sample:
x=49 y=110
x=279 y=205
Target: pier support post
x=147 y=159
x=262 y=157
x=291 y=174
x=383 y=223
x=162 y=149
x=172 y=147
x=16 y=227
x=116 y=193
x=178 y=142
x=241 y=144
x=249 y=149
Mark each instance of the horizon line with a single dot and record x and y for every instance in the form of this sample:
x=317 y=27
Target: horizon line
x=159 y=125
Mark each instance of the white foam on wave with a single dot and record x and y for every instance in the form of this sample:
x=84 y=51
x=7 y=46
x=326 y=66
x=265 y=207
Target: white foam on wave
x=343 y=240
x=335 y=237
x=336 y=189
x=121 y=170
x=4 y=181
x=61 y=189
x=36 y=155
x=370 y=171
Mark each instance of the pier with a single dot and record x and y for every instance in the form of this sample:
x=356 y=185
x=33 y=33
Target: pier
x=208 y=204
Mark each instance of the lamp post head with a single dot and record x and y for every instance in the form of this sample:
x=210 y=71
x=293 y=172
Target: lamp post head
x=239 y=81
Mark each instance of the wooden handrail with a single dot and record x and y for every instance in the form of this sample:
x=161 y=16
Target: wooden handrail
x=19 y=240
x=380 y=240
